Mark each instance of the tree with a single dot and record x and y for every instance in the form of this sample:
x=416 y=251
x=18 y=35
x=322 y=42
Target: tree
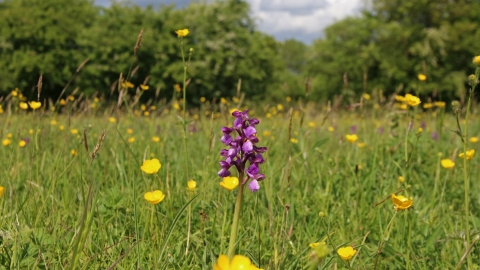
x=41 y=37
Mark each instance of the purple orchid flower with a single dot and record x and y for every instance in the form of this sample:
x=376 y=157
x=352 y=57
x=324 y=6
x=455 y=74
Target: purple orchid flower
x=242 y=149
x=353 y=129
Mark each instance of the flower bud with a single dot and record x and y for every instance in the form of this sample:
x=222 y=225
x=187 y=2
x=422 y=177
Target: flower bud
x=472 y=79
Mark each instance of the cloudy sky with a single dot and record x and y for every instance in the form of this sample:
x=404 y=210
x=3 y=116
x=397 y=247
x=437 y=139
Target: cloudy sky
x=299 y=19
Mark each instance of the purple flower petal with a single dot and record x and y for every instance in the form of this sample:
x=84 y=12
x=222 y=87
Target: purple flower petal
x=260 y=149
x=253 y=139
x=226 y=139
x=258 y=158
x=227 y=130
x=252 y=170
x=237 y=114
x=254 y=121
x=260 y=177
x=225 y=164
x=232 y=152
x=224 y=153
x=223 y=173
x=247 y=146
x=254 y=186
x=249 y=131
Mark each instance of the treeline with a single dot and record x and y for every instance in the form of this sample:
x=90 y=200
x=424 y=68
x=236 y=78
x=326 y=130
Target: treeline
x=382 y=49
x=54 y=37
x=391 y=42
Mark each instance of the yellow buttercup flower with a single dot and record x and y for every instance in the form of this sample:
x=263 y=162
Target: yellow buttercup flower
x=191 y=185
x=422 y=77
x=447 y=163
x=402 y=106
x=131 y=139
x=474 y=139
x=71 y=98
x=470 y=154
x=476 y=60
x=351 y=137
x=427 y=105
x=9 y=135
x=130 y=131
x=6 y=142
x=400 y=98
x=267 y=133
x=15 y=92
x=182 y=32
x=155 y=139
x=331 y=129
x=112 y=120
x=53 y=122
x=151 y=166
x=401 y=202
x=366 y=96
x=22 y=143
x=73 y=131
x=293 y=140
x=412 y=100
x=361 y=144
x=229 y=183
x=62 y=102
x=127 y=84
x=34 y=104
x=346 y=253
x=74 y=152
x=203 y=99
x=440 y=104
x=238 y=262
x=154 y=197
x=61 y=127
x=144 y=87
x=23 y=105
x=311 y=124
x=401 y=179
x=2 y=190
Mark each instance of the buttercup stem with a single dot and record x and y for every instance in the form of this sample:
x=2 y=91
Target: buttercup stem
x=236 y=218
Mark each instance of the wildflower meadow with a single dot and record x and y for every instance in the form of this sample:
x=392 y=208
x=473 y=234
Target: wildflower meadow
x=134 y=180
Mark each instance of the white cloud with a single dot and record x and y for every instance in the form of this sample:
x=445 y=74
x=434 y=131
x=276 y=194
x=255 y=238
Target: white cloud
x=298 y=19
x=288 y=18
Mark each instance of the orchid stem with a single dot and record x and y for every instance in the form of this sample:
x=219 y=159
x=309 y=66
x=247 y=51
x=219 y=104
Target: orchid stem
x=236 y=218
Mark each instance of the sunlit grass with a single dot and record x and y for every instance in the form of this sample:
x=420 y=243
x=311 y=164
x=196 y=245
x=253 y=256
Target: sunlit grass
x=47 y=183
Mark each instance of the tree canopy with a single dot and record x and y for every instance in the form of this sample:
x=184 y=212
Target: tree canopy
x=384 y=47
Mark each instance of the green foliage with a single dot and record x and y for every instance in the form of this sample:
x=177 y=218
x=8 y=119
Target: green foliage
x=393 y=42
x=54 y=41
x=38 y=36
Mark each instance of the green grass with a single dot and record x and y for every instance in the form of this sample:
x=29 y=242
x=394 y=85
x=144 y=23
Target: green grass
x=47 y=208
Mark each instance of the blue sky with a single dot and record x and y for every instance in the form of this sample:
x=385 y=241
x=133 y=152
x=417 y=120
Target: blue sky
x=303 y=20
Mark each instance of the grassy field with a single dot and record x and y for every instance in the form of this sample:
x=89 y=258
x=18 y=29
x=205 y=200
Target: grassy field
x=63 y=209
